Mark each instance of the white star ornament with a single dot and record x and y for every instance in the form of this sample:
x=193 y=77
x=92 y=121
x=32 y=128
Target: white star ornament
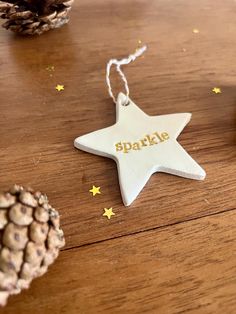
x=141 y=145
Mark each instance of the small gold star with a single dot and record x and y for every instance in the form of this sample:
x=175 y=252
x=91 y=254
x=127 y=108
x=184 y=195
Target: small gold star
x=108 y=212
x=60 y=87
x=50 y=68
x=216 y=90
x=95 y=190
x=195 y=31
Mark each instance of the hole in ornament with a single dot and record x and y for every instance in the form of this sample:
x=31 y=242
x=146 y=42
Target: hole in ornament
x=127 y=103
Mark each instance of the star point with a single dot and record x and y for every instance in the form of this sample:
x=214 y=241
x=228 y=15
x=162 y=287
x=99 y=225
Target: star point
x=95 y=190
x=108 y=212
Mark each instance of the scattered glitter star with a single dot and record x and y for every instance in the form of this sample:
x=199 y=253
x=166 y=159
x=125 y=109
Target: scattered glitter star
x=50 y=68
x=59 y=87
x=139 y=42
x=108 y=212
x=216 y=90
x=95 y=190
x=195 y=31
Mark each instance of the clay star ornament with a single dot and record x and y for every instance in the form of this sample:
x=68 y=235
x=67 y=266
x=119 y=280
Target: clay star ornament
x=142 y=145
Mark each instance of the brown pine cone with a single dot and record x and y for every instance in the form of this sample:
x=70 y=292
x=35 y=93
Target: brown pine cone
x=30 y=239
x=30 y=17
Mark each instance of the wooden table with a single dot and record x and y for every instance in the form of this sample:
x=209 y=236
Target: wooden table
x=173 y=250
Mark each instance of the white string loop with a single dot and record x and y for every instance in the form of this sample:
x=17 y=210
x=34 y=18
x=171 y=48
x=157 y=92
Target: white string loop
x=118 y=64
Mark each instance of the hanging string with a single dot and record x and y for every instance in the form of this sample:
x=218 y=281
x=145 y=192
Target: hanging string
x=118 y=64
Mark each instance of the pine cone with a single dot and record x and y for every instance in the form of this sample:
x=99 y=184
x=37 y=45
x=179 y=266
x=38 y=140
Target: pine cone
x=30 y=17
x=30 y=239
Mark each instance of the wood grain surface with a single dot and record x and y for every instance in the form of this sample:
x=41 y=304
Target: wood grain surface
x=173 y=250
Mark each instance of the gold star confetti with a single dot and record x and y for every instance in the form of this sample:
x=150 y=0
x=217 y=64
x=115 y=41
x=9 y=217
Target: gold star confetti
x=95 y=190
x=216 y=90
x=59 y=87
x=50 y=68
x=195 y=31
x=108 y=212
x=139 y=42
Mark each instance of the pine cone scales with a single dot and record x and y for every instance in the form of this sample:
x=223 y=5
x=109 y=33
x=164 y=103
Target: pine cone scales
x=30 y=239
x=30 y=17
